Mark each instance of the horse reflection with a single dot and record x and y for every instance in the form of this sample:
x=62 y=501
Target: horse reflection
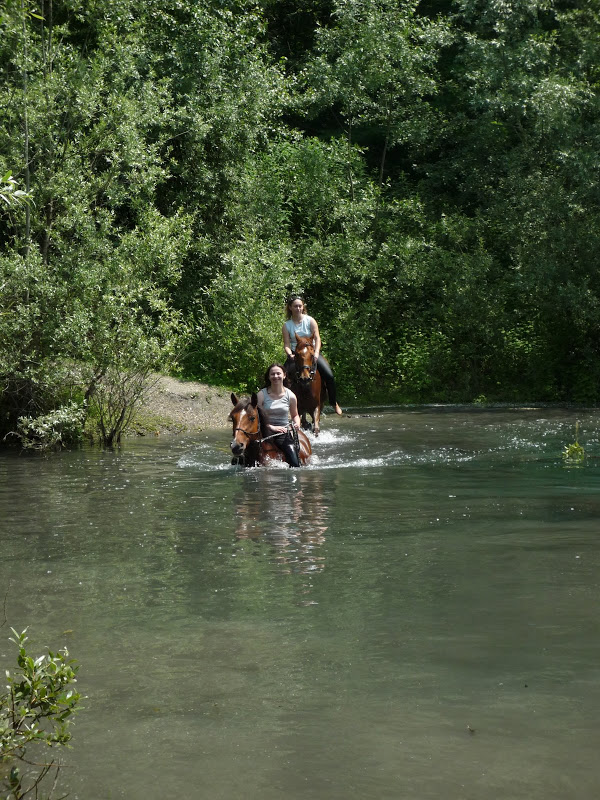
x=291 y=518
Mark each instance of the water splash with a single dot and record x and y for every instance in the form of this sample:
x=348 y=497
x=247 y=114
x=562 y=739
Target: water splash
x=412 y=440
x=331 y=436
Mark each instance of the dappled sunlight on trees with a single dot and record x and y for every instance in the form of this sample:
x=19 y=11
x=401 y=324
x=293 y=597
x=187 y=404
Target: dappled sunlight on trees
x=425 y=173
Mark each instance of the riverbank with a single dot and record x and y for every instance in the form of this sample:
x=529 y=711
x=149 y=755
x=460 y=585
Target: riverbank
x=175 y=406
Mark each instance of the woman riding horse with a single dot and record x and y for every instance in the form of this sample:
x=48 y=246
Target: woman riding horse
x=253 y=444
x=279 y=404
x=307 y=384
x=298 y=323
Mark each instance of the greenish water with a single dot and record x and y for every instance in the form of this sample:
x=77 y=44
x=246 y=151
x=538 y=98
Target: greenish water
x=326 y=633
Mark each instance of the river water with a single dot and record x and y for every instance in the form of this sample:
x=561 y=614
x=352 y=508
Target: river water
x=415 y=615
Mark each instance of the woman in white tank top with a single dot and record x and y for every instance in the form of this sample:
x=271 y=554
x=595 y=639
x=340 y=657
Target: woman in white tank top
x=298 y=323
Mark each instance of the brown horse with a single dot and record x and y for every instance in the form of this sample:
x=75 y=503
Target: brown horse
x=306 y=383
x=250 y=445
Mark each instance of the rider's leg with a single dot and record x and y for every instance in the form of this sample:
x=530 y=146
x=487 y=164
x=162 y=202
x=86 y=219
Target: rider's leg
x=285 y=443
x=290 y=368
x=327 y=376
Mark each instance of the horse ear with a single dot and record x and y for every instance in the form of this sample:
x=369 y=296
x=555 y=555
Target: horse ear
x=254 y=400
x=234 y=399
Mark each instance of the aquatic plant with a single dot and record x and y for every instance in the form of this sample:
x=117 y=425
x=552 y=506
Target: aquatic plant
x=574 y=452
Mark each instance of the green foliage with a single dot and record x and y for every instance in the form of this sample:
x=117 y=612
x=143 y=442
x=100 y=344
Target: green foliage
x=59 y=428
x=417 y=360
x=33 y=381
x=10 y=194
x=114 y=398
x=426 y=173
x=239 y=324
x=35 y=710
x=376 y=64
x=86 y=277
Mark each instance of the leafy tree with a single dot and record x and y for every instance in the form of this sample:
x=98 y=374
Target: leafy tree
x=424 y=172
x=372 y=71
x=98 y=257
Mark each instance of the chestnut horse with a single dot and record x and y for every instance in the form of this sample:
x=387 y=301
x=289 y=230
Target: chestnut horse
x=306 y=383
x=250 y=445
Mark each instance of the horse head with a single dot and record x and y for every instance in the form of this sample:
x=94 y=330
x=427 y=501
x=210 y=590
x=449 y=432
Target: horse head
x=304 y=358
x=246 y=423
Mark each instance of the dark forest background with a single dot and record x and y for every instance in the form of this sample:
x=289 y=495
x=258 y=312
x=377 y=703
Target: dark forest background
x=425 y=173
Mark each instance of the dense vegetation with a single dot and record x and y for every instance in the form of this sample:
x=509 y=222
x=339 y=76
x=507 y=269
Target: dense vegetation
x=426 y=173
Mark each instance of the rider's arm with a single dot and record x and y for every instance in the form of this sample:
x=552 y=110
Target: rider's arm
x=294 y=410
x=286 y=341
x=314 y=329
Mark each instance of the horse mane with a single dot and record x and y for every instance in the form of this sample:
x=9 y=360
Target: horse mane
x=262 y=422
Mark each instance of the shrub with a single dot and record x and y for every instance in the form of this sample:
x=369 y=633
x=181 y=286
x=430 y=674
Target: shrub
x=59 y=428
x=35 y=709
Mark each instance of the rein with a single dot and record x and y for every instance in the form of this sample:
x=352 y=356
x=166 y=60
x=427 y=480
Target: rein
x=254 y=437
x=259 y=441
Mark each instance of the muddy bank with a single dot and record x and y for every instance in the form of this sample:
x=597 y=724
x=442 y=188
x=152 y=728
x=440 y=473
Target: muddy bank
x=174 y=406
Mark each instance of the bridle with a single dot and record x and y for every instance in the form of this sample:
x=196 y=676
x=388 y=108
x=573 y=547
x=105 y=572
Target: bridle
x=312 y=370
x=241 y=430
x=250 y=434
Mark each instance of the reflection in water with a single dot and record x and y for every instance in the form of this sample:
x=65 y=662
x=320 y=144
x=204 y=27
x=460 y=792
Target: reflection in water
x=461 y=589
x=288 y=511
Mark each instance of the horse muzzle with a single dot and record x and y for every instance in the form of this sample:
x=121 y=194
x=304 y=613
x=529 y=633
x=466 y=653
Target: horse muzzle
x=237 y=448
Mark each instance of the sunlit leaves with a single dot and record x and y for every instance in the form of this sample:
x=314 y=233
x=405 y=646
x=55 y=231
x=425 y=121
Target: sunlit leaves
x=434 y=164
x=10 y=193
x=375 y=63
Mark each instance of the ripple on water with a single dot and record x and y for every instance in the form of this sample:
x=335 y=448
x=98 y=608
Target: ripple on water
x=421 y=598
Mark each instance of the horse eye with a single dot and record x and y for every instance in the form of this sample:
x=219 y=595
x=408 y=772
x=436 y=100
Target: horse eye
x=251 y=418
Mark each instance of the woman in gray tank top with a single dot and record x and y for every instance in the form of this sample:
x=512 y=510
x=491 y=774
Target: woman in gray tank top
x=298 y=323
x=278 y=404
